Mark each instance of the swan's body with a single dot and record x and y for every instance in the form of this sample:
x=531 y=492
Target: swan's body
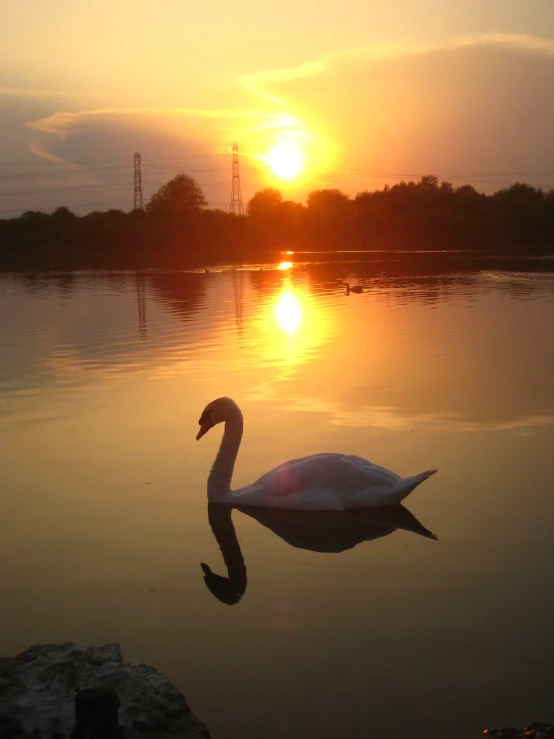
x=320 y=482
x=355 y=289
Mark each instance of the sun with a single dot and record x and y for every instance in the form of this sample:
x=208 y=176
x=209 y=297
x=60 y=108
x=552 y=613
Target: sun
x=286 y=160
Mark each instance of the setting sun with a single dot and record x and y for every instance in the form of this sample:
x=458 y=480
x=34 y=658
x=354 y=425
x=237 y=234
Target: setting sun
x=286 y=160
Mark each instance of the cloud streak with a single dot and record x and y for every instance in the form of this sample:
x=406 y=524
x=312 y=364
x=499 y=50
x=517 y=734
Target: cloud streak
x=258 y=83
x=38 y=152
x=65 y=123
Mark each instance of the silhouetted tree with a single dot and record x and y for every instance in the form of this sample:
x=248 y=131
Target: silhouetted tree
x=327 y=215
x=34 y=217
x=520 y=210
x=182 y=194
x=467 y=191
x=292 y=213
x=177 y=228
x=63 y=214
x=428 y=182
x=264 y=203
x=326 y=202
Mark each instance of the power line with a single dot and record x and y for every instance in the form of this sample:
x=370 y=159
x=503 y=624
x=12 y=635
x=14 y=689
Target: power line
x=342 y=175
x=105 y=161
x=352 y=172
x=59 y=174
x=73 y=173
x=74 y=205
x=156 y=184
x=80 y=205
x=330 y=176
x=64 y=191
x=39 y=180
x=99 y=186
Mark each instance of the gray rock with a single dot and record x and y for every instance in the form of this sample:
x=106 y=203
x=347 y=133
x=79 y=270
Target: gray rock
x=38 y=689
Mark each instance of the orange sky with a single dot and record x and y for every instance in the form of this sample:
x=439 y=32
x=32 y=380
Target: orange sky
x=359 y=95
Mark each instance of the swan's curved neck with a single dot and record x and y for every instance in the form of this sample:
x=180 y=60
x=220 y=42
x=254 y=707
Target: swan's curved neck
x=219 y=480
x=223 y=529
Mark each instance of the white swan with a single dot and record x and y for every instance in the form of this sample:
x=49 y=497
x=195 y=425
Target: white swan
x=320 y=482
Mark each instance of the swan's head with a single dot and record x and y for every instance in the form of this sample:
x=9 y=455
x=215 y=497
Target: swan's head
x=226 y=589
x=218 y=411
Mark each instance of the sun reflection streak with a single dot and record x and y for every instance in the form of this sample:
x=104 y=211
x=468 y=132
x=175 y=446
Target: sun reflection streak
x=290 y=330
x=284 y=266
x=289 y=312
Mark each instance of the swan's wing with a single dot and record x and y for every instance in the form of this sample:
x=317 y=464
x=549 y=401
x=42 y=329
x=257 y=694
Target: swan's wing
x=283 y=480
x=281 y=472
x=330 y=471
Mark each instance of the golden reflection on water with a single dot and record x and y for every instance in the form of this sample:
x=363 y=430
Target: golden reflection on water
x=112 y=508
x=296 y=323
x=284 y=266
x=289 y=312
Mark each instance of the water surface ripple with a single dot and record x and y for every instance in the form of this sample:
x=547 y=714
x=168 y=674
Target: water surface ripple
x=436 y=616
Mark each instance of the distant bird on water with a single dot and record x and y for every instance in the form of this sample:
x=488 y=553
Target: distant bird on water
x=355 y=289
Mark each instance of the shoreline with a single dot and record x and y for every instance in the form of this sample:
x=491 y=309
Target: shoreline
x=46 y=259
x=58 y=691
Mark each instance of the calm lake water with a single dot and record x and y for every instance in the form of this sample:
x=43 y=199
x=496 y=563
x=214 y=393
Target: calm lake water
x=104 y=518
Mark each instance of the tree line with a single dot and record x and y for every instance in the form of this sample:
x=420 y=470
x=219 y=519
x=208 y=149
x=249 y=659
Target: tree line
x=176 y=223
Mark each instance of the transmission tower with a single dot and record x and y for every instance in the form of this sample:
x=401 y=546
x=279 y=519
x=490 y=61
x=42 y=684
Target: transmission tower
x=138 y=203
x=236 y=197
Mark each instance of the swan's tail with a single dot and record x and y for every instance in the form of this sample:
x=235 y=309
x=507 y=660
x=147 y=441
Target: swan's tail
x=408 y=484
x=424 y=475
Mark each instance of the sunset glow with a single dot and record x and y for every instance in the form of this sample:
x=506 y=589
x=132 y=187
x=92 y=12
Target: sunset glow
x=368 y=98
x=264 y=269
x=286 y=160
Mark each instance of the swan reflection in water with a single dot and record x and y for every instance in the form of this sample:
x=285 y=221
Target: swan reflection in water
x=317 y=531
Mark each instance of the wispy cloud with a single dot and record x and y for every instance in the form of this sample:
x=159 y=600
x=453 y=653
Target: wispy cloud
x=49 y=157
x=64 y=123
x=258 y=83
x=274 y=114
x=235 y=122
